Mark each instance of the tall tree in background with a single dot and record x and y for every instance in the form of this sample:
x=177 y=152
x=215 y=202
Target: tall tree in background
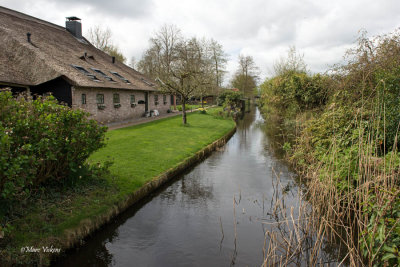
x=293 y=63
x=245 y=78
x=207 y=79
x=218 y=59
x=157 y=59
x=184 y=67
x=133 y=63
x=187 y=71
x=102 y=39
x=245 y=84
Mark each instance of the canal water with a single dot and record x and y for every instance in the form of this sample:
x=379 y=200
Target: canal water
x=213 y=215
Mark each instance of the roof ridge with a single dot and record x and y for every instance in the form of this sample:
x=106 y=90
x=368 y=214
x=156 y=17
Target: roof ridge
x=28 y=17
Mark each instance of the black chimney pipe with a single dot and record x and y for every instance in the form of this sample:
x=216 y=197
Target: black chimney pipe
x=113 y=60
x=74 y=26
x=28 y=35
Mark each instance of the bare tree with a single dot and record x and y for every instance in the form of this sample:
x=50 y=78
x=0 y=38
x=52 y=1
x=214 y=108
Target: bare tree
x=183 y=67
x=102 y=39
x=245 y=78
x=294 y=62
x=211 y=68
x=133 y=63
x=186 y=72
x=219 y=60
x=156 y=61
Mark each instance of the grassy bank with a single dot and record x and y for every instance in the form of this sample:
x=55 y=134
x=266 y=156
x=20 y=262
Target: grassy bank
x=139 y=153
x=340 y=132
x=189 y=107
x=144 y=151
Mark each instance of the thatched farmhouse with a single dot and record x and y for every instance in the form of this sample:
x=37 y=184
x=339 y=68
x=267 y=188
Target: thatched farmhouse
x=42 y=57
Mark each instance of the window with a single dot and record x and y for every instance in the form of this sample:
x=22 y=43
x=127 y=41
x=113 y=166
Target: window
x=116 y=98
x=100 y=99
x=83 y=99
x=147 y=82
x=87 y=73
x=108 y=78
x=133 y=101
x=164 y=99
x=120 y=76
x=155 y=99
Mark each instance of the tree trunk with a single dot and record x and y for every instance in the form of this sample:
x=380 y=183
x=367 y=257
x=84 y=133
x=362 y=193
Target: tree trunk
x=201 y=99
x=184 y=110
x=174 y=102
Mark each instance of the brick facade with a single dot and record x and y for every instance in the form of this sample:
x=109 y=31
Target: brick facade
x=110 y=113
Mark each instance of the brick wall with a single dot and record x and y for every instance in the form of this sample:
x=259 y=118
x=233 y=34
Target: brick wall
x=111 y=113
x=161 y=107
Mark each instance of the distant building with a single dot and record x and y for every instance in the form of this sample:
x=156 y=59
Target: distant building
x=42 y=57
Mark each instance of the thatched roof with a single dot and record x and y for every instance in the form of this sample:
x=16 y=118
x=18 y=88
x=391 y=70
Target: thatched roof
x=53 y=52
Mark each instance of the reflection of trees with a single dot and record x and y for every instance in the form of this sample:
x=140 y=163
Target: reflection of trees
x=194 y=190
x=243 y=126
x=247 y=120
x=192 y=186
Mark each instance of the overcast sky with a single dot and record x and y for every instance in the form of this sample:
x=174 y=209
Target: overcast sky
x=264 y=29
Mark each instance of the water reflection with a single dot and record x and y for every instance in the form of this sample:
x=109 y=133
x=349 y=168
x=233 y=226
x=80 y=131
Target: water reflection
x=213 y=215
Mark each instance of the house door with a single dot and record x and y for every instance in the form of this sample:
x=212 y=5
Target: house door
x=146 y=101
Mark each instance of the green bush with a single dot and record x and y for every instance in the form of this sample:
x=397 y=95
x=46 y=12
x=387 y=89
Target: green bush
x=229 y=97
x=230 y=100
x=295 y=92
x=381 y=239
x=40 y=141
x=351 y=138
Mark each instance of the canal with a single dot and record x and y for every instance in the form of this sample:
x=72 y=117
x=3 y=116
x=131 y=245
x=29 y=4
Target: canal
x=216 y=214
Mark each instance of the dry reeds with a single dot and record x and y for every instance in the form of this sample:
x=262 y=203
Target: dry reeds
x=351 y=216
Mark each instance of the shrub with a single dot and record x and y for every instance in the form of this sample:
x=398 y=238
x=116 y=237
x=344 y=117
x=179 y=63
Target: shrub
x=295 y=91
x=41 y=140
x=230 y=100
x=349 y=147
x=230 y=96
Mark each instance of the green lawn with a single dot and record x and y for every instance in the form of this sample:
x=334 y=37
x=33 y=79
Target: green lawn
x=144 y=151
x=188 y=107
x=139 y=153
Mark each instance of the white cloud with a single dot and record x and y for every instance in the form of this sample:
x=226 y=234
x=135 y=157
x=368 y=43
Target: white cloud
x=264 y=29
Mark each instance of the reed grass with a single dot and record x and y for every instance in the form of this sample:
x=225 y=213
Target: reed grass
x=362 y=217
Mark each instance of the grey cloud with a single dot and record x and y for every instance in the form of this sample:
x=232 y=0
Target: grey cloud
x=319 y=28
x=275 y=20
x=121 y=8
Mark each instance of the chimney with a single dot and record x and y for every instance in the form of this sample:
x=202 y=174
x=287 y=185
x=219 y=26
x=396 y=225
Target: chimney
x=28 y=35
x=74 y=26
x=113 y=59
